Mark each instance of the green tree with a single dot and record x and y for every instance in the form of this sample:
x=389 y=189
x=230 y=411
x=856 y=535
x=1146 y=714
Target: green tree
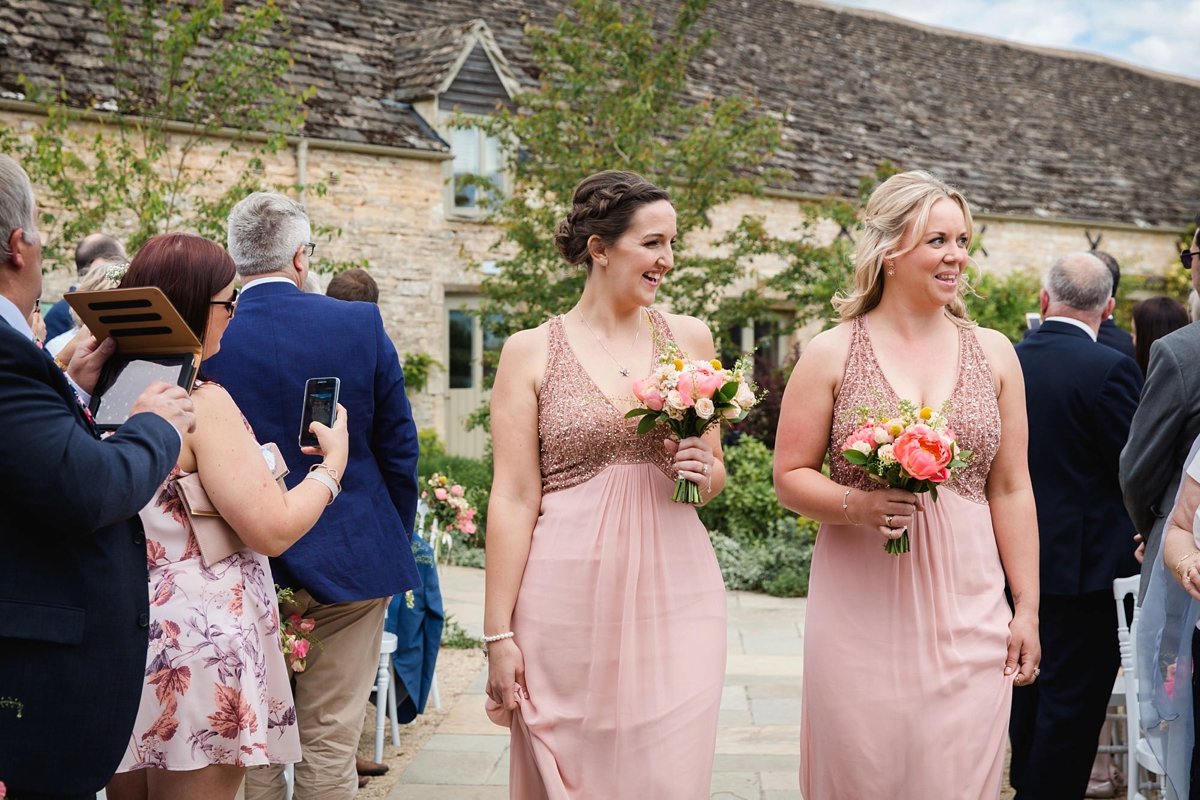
x=168 y=63
x=1002 y=303
x=613 y=95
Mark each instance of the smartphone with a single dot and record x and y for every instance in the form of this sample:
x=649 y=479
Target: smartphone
x=320 y=405
x=1033 y=320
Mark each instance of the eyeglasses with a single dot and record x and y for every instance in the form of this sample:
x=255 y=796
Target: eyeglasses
x=1186 y=257
x=309 y=249
x=230 y=305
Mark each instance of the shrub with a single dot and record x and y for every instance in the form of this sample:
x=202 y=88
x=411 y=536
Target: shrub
x=747 y=509
x=1001 y=303
x=430 y=444
x=456 y=637
x=778 y=565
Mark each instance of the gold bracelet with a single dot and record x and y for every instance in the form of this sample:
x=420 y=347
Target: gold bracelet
x=845 y=507
x=60 y=364
x=1179 y=563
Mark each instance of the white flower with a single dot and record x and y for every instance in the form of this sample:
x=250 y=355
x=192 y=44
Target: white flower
x=744 y=397
x=881 y=436
x=704 y=408
x=675 y=413
x=862 y=447
x=675 y=400
x=885 y=454
x=733 y=412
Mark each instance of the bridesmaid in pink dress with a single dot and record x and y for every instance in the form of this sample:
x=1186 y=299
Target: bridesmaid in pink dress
x=909 y=660
x=605 y=607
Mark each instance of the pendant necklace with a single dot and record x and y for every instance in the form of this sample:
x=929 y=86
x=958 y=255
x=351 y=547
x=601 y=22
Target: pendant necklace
x=624 y=369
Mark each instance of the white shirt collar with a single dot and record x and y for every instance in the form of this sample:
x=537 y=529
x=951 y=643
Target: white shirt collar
x=265 y=281
x=1083 y=326
x=12 y=315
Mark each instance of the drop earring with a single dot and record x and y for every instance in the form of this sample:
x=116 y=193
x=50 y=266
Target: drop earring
x=891 y=268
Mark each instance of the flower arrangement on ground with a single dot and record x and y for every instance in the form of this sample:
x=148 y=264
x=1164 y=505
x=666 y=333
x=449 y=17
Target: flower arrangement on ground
x=451 y=511
x=295 y=632
x=690 y=397
x=910 y=448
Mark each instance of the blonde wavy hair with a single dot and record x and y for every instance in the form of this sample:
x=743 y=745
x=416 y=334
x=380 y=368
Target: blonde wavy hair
x=900 y=204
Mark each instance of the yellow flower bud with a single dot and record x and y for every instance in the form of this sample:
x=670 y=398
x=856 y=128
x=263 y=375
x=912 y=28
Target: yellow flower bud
x=716 y=363
x=926 y=413
x=678 y=365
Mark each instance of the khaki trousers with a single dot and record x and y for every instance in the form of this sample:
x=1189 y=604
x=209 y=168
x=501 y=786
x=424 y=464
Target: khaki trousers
x=331 y=696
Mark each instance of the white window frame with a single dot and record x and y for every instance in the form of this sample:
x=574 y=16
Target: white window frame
x=475 y=213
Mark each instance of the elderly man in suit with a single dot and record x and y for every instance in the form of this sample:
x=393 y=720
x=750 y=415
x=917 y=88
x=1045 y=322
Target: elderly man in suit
x=1165 y=426
x=1081 y=397
x=73 y=598
x=359 y=553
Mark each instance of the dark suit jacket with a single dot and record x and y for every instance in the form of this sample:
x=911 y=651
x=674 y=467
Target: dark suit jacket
x=1081 y=397
x=1116 y=338
x=279 y=338
x=1164 y=428
x=58 y=319
x=73 y=596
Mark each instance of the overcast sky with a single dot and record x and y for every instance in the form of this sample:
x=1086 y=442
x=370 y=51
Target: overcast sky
x=1160 y=34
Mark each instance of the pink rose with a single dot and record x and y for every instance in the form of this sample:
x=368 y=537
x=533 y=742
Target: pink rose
x=456 y=490
x=647 y=393
x=440 y=493
x=307 y=625
x=294 y=619
x=470 y=513
x=467 y=527
x=864 y=434
x=923 y=454
x=301 y=649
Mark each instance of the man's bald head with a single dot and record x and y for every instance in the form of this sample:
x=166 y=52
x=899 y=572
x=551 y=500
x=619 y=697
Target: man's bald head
x=94 y=247
x=1078 y=286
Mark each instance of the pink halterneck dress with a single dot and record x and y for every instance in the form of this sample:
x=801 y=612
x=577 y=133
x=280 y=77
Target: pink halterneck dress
x=904 y=689
x=620 y=614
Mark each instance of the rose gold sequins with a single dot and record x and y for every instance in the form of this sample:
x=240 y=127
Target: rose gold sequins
x=975 y=414
x=581 y=434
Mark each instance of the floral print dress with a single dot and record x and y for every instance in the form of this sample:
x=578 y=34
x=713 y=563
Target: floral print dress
x=217 y=688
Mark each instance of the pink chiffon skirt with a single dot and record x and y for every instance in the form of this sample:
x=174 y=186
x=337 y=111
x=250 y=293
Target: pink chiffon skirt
x=621 y=620
x=904 y=692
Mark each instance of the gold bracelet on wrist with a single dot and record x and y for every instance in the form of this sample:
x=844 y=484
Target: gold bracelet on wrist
x=60 y=364
x=1179 y=563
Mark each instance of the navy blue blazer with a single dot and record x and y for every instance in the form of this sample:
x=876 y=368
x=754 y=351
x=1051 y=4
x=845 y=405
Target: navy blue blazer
x=58 y=319
x=1081 y=397
x=279 y=338
x=74 y=600
x=1116 y=338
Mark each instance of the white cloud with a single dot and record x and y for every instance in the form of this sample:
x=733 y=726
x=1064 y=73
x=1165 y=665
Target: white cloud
x=1158 y=34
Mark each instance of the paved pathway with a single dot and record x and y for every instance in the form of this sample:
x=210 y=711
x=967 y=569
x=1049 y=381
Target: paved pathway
x=758 y=738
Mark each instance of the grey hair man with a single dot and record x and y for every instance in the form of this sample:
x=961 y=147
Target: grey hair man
x=359 y=553
x=1080 y=398
x=1164 y=428
x=74 y=601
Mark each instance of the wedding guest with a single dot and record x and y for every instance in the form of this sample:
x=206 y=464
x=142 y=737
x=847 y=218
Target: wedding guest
x=605 y=609
x=359 y=553
x=73 y=605
x=1080 y=400
x=1165 y=425
x=355 y=284
x=1110 y=335
x=216 y=697
x=1153 y=319
x=93 y=249
x=94 y=280
x=909 y=659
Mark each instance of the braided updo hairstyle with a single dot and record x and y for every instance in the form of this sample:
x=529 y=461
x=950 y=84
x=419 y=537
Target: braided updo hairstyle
x=603 y=205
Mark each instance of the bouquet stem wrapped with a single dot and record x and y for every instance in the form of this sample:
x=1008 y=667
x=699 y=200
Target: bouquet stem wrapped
x=690 y=397
x=910 y=448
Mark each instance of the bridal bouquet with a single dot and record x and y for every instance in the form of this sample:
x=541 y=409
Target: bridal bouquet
x=691 y=397
x=911 y=448
x=450 y=509
x=295 y=633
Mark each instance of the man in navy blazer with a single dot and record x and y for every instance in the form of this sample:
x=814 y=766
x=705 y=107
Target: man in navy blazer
x=73 y=596
x=359 y=553
x=1080 y=397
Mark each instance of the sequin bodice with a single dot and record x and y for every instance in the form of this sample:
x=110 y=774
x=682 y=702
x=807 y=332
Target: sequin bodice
x=975 y=414
x=580 y=432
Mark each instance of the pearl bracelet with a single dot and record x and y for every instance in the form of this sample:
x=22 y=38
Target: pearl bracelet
x=490 y=639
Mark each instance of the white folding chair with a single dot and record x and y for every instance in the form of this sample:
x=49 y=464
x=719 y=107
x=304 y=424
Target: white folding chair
x=1140 y=757
x=385 y=694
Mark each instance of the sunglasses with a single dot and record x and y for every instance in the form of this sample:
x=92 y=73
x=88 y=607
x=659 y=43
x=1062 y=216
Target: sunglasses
x=230 y=304
x=1186 y=257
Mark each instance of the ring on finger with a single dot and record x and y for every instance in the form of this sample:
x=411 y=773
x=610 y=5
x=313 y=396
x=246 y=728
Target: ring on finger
x=1036 y=671
x=705 y=468
x=887 y=519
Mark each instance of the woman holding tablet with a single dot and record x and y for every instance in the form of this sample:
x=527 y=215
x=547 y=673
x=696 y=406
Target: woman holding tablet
x=217 y=697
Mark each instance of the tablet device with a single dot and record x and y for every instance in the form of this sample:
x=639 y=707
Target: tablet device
x=125 y=377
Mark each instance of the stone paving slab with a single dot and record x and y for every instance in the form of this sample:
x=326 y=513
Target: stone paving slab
x=758 y=734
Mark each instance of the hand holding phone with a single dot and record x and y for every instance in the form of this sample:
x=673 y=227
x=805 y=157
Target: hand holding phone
x=320 y=405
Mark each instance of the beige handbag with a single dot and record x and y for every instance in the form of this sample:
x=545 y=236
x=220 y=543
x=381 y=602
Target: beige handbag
x=218 y=541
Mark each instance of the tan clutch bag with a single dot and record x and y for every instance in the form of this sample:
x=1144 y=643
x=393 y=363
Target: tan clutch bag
x=216 y=539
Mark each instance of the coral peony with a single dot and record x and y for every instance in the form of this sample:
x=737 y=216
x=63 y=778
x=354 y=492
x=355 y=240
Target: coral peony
x=688 y=388
x=646 y=391
x=864 y=434
x=923 y=454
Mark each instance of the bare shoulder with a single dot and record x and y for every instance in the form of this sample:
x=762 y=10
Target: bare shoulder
x=212 y=399
x=690 y=333
x=826 y=354
x=523 y=357
x=996 y=347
